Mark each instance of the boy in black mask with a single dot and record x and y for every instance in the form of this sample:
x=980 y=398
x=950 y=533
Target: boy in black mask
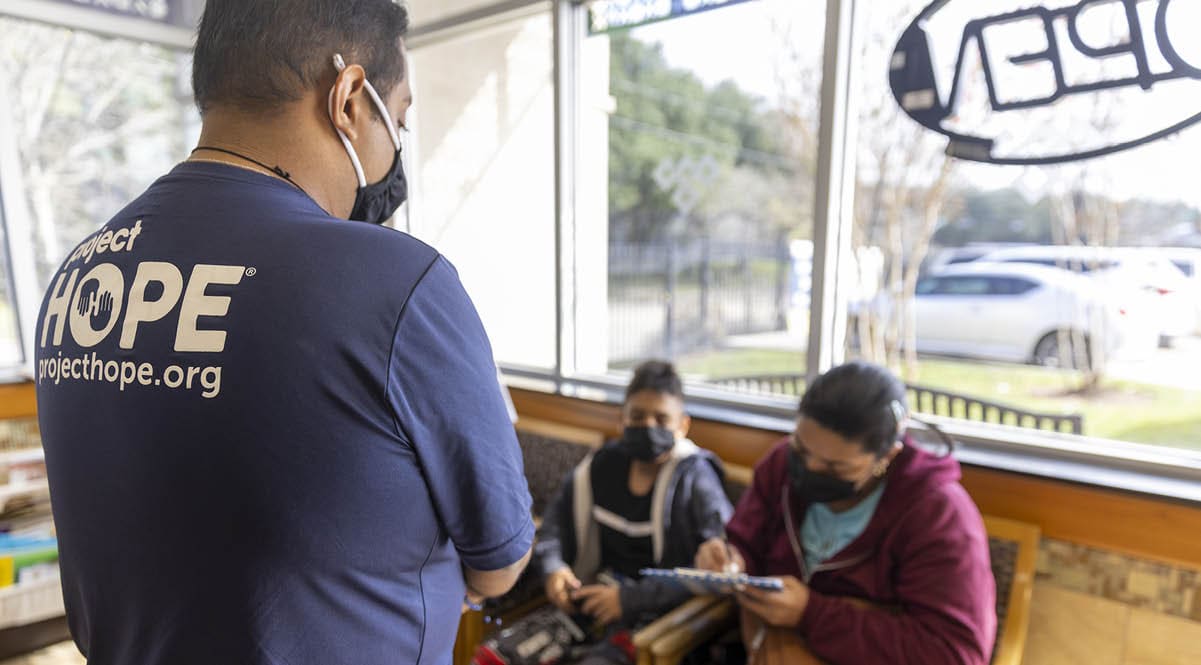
x=648 y=500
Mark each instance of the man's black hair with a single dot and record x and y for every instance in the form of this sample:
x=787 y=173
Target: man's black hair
x=258 y=55
x=859 y=401
x=657 y=376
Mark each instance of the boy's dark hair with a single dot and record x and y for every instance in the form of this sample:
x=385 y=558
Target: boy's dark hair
x=657 y=376
x=260 y=54
x=861 y=402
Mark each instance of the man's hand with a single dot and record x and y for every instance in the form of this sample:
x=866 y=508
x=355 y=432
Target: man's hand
x=717 y=556
x=782 y=609
x=471 y=599
x=602 y=603
x=559 y=587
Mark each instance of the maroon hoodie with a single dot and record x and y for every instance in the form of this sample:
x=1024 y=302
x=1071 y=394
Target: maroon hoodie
x=924 y=553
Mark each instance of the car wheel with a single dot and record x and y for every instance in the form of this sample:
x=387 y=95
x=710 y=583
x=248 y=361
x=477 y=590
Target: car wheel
x=1047 y=351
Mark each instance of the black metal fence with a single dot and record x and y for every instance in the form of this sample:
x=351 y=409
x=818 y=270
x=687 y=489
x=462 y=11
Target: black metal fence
x=670 y=298
x=924 y=399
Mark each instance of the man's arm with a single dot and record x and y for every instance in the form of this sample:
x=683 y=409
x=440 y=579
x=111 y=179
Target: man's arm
x=448 y=406
x=493 y=583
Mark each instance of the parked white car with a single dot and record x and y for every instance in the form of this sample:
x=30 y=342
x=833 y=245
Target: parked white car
x=1167 y=294
x=1188 y=260
x=1016 y=312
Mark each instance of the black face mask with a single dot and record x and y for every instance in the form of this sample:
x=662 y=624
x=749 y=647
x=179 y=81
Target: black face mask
x=375 y=203
x=813 y=487
x=378 y=202
x=647 y=443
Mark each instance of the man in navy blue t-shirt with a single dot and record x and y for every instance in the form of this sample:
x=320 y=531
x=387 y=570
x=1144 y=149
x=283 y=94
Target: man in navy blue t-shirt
x=275 y=436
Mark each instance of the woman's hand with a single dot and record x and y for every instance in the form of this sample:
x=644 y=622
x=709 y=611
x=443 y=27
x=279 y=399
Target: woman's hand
x=783 y=609
x=717 y=556
x=559 y=587
x=600 y=602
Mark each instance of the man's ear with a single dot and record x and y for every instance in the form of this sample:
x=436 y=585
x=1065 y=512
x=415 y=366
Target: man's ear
x=347 y=100
x=685 y=425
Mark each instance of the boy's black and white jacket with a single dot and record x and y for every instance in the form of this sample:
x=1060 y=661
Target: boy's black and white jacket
x=688 y=506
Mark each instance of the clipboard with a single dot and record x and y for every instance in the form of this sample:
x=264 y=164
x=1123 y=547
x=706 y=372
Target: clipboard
x=704 y=582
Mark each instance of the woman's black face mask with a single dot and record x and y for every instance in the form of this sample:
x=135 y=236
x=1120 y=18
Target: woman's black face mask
x=814 y=487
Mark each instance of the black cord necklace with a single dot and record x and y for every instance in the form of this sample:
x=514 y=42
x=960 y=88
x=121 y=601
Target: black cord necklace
x=274 y=169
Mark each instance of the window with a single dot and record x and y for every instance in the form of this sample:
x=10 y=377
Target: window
x=696 y=180
x=484 y=179
x=963 y=286
x=11 y=353
x=1106 y=335
x=1080 y=265
x=1013 y=286
x=979 y=285
x=695 y=184
x=82 y=137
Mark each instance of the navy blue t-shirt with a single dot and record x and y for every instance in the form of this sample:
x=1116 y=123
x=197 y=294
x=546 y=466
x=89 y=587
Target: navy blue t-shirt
x=272 y=436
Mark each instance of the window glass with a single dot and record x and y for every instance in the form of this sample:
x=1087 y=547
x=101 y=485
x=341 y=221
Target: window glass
x=964 y=286
x=93 y=121
x=1013 y=286
x=1104 y=338
x=695 y=187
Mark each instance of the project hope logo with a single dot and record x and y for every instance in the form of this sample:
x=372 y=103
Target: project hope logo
x=93 y=302
x=1065 y=81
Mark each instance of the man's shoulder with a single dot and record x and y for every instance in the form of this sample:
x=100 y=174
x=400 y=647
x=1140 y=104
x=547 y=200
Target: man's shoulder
x=378 y=240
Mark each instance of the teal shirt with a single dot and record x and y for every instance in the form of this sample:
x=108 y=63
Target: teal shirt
x=826 y=533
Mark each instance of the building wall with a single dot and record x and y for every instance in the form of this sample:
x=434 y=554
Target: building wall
x=1098 y=607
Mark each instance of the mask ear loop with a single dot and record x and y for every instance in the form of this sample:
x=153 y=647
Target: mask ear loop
x=383 y=112
x=946 y=439
x=340 y=65
x=380 y=106
x=901 y=415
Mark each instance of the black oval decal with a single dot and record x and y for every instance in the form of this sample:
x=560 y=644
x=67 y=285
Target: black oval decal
x=1051 y=84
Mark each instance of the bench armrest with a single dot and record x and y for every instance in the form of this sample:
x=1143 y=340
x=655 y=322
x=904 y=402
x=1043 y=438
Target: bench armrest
x=644 y=638
x=714 y=620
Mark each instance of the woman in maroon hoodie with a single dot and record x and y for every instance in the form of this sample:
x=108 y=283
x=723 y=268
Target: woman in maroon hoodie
x=882 y=552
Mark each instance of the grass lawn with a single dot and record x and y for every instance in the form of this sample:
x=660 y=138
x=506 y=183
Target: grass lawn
x=1121 y=410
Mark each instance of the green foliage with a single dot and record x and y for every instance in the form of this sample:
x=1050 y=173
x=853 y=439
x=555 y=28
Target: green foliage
x=666 y=112
x=1005 y=215
x=1002 y=215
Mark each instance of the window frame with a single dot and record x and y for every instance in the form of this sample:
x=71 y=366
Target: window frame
x=22 y=271
x=11 y=371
